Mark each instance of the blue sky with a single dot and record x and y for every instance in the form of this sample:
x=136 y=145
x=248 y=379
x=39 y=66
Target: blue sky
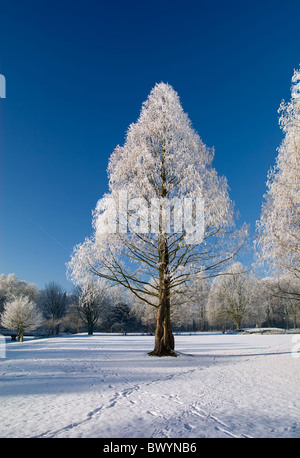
x=76 y=76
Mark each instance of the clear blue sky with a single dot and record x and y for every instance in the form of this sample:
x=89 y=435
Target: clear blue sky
x=77 y=73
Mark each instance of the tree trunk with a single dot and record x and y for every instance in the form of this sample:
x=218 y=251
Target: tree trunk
x=20 y=336
x=294 y=319
x=287 y=321
x=164 y=339
x=238 y=322
x=90 y=328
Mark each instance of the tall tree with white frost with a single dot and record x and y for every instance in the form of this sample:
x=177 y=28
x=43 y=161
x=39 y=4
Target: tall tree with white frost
x=21 y=314
x=144 y=229
x=278 y=231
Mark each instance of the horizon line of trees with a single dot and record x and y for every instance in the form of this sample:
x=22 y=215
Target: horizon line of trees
x=234 y=300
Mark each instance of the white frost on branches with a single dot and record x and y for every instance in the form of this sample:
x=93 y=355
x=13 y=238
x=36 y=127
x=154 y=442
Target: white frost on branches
x=21 y=314
x=162 y=158
x=278 y=242
x=231 y=296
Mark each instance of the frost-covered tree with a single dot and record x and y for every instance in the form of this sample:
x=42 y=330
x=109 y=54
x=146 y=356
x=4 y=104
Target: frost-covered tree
x=21 y=314
x=287 y=290
x=265 y=304
x=278 y=231
x=89 y=303
x=93 y=299
x=189 y=304
x=53 y=303
x=11 y=286
x=150 y=223
x=146 y=315
x=230 y=297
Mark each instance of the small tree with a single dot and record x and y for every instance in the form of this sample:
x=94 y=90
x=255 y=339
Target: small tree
x=230 y=296
x=89 y=305
x=21 y=314
x=189 y=304
x=53 y=302
x=11 y=286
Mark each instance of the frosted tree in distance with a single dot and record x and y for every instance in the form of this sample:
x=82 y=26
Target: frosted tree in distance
x=230 y=297
x=21 y=314
x=91 y=299
x=167 y=216
x=278 y=231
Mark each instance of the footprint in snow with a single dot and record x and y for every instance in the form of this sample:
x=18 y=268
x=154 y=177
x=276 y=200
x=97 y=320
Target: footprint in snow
x=189 y=427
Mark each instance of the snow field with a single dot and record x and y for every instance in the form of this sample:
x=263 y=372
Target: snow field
x=107 y=386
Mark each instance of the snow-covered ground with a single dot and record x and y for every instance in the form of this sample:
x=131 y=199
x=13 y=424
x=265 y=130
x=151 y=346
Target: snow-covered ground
x=107 y=386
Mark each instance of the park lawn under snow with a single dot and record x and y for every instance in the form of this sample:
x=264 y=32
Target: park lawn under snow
x=107 y=386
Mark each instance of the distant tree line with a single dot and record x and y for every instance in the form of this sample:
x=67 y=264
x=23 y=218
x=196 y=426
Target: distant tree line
x=56 y=310
x=239 y=298
x=233 y=300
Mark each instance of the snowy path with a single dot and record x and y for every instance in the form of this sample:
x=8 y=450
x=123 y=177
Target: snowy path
x=107 y=386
